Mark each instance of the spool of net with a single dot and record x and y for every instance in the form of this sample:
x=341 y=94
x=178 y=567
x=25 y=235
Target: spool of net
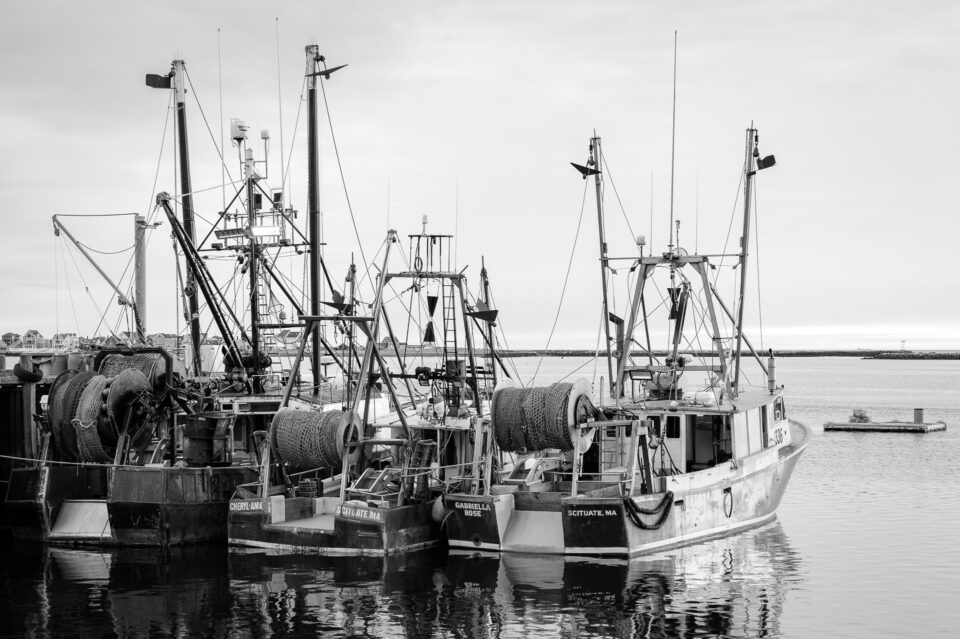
x=55 y=410
x=86 y=421
x=307 y=439
x=150 y=364
x=126 y=386
x=540 y=418
x=66 y=400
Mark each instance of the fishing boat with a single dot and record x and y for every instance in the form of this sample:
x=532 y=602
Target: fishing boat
x=656 y=459
x=138 y=448
x=368 y=478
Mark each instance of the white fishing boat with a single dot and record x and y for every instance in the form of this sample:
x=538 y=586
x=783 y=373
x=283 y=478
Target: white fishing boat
x=655 y=460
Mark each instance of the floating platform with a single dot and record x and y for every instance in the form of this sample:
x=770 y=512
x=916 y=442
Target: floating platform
x=885 y=427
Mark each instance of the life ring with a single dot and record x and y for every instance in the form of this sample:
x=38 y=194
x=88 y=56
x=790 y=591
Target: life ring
x=28 y=376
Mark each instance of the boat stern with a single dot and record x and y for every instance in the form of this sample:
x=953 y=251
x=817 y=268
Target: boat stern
x=477 y=522
x=594 y=526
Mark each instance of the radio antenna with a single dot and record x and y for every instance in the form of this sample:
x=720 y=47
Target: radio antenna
x=673 y=137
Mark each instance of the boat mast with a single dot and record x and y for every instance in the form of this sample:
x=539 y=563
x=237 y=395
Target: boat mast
x=313 y=208
x=178 y=79
x=744 y=244
x=490 y=324
x=250 y=176
x=318 y=271
x=140 y=276
x=595 y=158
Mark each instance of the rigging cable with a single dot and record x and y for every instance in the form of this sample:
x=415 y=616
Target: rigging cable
x=596 y=354
x=296 y=127
x=566 y=279
x=336 y=151
x=87 y=289
x=90 y=248
x=503 y=338
x=606 y=166
x=568 y=375
x=196 y=98
x=733 y=214
x=94 y=214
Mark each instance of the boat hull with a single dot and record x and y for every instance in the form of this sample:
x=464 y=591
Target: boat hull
x=718 y=502
x=169 y=507
x=122 y=506
x=322 y=527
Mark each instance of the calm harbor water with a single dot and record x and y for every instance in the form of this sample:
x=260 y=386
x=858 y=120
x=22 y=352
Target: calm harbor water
x=864 y=546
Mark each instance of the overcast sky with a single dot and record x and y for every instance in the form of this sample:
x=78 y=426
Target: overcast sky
x=858 y=100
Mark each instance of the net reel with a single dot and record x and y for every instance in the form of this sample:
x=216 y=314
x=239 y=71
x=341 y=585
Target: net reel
x=542 y=418
x=309 y=439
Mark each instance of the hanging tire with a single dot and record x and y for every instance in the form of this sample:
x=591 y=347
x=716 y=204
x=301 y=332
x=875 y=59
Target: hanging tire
x=28 y=376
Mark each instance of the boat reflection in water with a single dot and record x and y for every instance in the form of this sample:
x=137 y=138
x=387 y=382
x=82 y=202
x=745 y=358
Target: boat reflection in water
x=328 y=595
x=129 y=592
x=729 y=587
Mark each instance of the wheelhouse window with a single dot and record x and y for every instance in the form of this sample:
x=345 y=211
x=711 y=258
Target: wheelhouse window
x=708 y=441
x=779 y=410
x=673 y=426
x=764 y=425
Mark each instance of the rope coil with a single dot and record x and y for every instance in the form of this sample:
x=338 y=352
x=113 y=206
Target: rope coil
x=539 y=418
x=306 y=439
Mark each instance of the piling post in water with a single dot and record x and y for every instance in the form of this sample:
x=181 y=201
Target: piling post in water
x=29 y=447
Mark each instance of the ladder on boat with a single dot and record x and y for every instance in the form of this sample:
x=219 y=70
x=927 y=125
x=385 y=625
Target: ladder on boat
x=268 y=337
x=451 y=355
x=415 y=482
x=614 y=457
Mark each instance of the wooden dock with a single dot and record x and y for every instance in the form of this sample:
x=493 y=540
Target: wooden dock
x=885 y=427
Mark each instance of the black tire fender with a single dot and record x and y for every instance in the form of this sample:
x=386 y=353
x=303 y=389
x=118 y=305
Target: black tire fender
x=28 y=376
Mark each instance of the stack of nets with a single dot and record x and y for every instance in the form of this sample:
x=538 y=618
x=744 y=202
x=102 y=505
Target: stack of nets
x=307 y=439
x=529 y=419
